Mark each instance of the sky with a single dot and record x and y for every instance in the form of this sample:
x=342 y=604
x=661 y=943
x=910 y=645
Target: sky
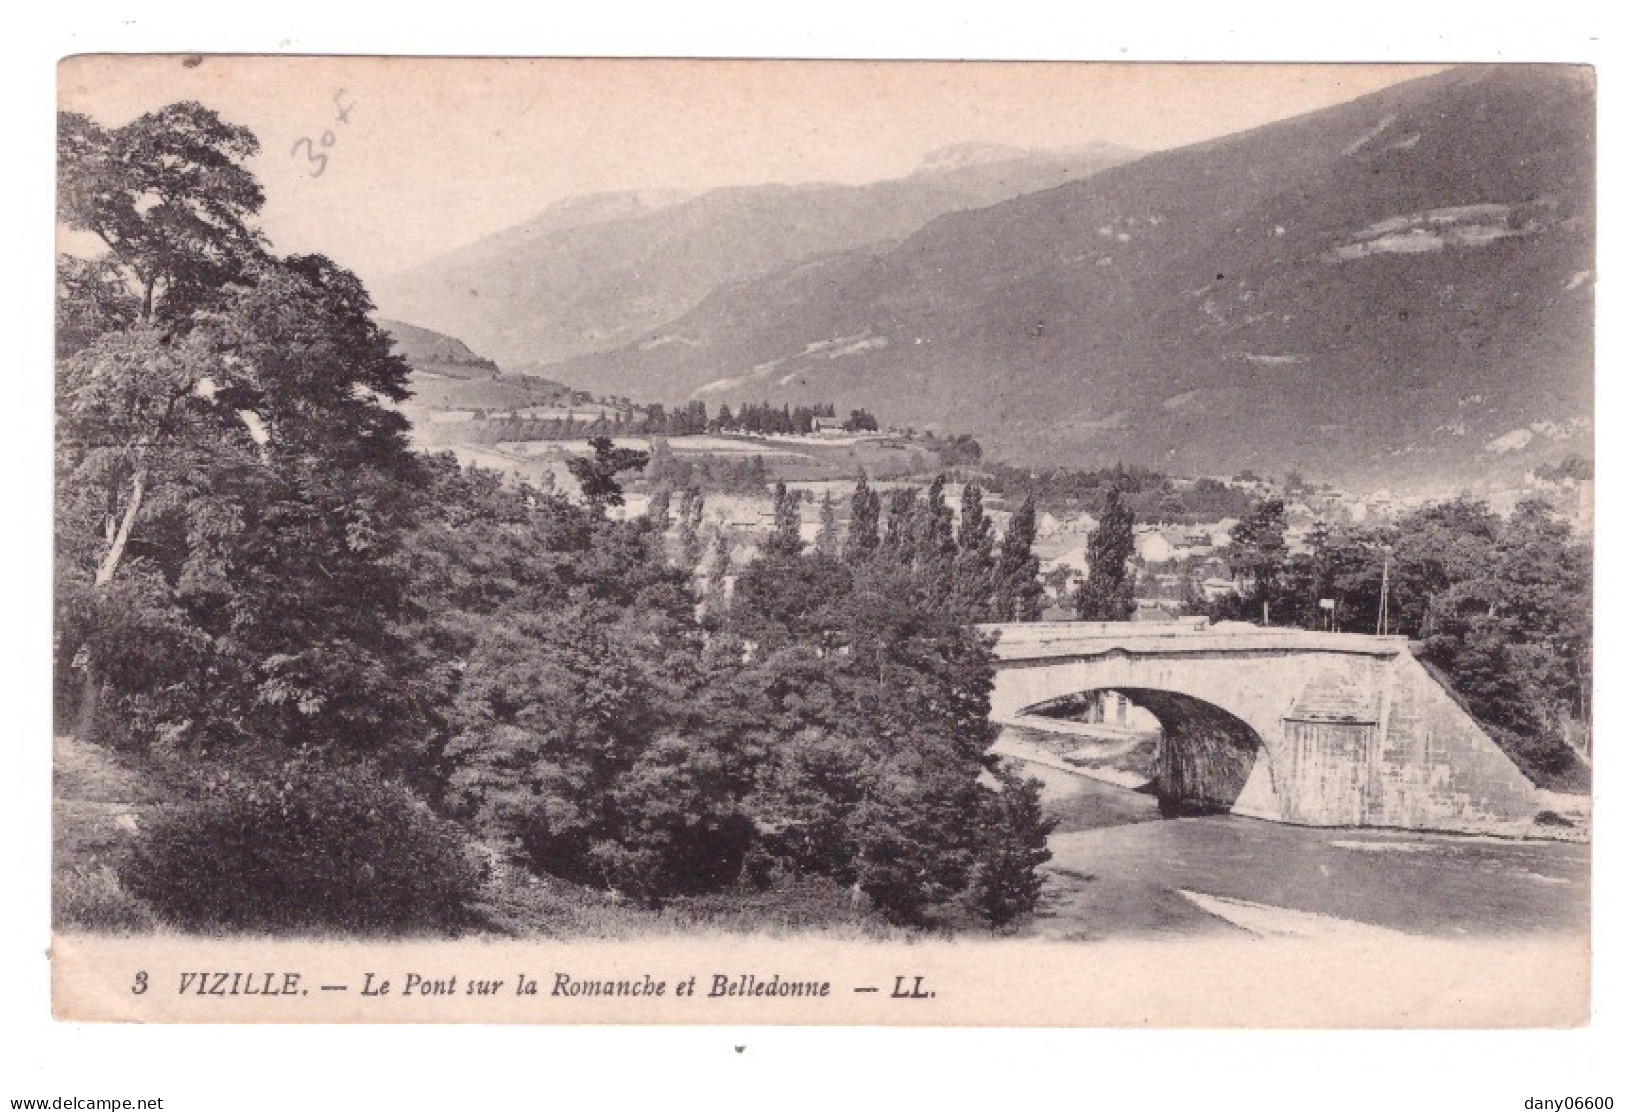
x=383 y=163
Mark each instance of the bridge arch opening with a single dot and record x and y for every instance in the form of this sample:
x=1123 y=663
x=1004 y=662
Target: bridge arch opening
x=1204 y=754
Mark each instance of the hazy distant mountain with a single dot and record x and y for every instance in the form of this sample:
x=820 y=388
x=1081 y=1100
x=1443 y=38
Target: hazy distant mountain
x=595 y=272
x=434 y=352
x=1399 y=287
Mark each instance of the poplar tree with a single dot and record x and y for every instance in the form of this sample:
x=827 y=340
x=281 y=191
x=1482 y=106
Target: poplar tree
x=1018 y=596
x=934 y=546
x=690 y=511
x=785 y=540
x=973 y=571
x=829 y=538
x=1107 y=595
x=863 y=533
x=900 y=525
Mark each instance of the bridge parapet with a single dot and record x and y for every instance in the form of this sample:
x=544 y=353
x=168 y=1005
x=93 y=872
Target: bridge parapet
x=1049 y=640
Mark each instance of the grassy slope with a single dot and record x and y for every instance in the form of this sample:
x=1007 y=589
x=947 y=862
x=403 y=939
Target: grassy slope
x=98 y=803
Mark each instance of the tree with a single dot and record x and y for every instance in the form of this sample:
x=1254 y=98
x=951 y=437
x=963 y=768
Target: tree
x=722 y=556
x=757 y=480
x=1107 y=595
x=900 y=526
x=135 y=429
x=1012 y=842
x=1192 y=599
x=555 y=707
x=1018 y=596
x=863 y=532
x=169 y=195
x=1258 y=551
x=829 y=533
x=976 y=559
x=785 y=539
x=1434 y=547
x=690 y=513
x=597 y=473
x=873 y=704
x=934 y=545
x=659 y=513
x=567 y=667
x=233 y=489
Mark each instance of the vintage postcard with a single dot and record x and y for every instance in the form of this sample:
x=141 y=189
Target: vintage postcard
x=751 y=542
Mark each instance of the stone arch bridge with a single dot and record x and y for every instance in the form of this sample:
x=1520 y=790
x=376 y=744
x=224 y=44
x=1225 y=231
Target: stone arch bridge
x=1321 y=729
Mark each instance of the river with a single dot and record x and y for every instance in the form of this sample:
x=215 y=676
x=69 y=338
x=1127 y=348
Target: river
x=1122 y=871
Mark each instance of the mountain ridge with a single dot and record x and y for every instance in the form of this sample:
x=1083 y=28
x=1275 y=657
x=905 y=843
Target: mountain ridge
x=593 y=273
x=1396 y=284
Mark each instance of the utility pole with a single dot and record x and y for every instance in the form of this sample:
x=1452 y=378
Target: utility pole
x=1382 y=607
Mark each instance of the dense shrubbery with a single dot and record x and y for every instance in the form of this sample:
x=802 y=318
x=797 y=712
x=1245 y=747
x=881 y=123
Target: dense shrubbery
x=870 y=690
x=830 y=721
x=704 y=471
x=304 y=844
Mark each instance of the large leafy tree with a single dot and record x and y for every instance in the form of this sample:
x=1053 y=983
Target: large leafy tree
x=138 y=439
x=169 y=195
x=248 y=477
x=231 y=470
